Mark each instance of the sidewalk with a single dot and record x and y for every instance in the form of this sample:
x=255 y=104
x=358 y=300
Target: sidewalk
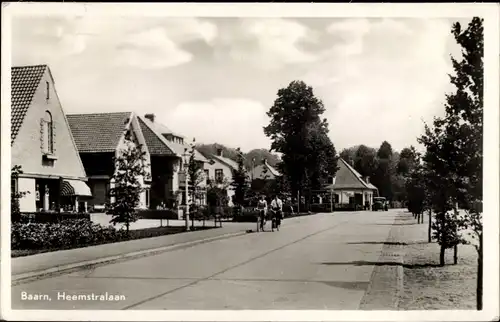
x=387 y=280
x=35 y=265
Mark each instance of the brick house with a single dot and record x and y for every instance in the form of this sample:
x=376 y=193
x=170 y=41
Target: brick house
x=43 y=145
x=98 y=138
x=168 y=159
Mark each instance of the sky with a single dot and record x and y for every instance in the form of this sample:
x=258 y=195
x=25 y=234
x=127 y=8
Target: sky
x=214 y=79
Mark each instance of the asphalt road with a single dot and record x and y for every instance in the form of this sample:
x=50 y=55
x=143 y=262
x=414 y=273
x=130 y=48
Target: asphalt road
x=311 y=263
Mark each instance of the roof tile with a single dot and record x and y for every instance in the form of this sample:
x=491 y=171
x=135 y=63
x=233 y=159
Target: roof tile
x=153 y=142
x=24 y=83
x=99 y=132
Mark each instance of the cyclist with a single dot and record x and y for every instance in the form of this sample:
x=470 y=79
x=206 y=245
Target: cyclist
x=262 y=206
x=277 y=209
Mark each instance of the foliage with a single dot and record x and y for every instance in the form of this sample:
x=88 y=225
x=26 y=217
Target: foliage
x=217 y=193
x=454 y=148
x=416 y=189
x=365 y=160
x=195 y=175
x=301 y=136
x=240 y=181
x=129 y=168
x=16 y=195
x=256 y=154
x=349 y=154
x=408 y=160
x=64 y=234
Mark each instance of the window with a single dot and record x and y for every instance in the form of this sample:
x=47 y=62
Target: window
x=219 y=175
x=207 y=175
x=13 y=183
x=148 y=192
x=47 y=90
x=48 y=133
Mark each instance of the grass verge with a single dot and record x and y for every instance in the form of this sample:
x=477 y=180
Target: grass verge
x=427 y=286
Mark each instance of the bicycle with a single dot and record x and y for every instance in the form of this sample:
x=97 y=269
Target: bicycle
x=262 y=219
x=276 y=220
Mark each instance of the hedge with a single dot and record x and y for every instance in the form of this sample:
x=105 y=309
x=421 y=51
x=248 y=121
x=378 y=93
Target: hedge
x=157 y=214
x=78 y=233
x=49 y=217
x=63 y=234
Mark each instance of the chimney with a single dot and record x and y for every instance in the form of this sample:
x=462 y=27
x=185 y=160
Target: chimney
x=219 y=152
x=367 y=179
x=150 y=117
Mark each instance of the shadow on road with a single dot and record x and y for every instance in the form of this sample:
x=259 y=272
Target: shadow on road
x=386 y=243
x=388 y=263
x=398 y=224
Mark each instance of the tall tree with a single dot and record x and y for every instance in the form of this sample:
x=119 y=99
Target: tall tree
x=464 y=110
x=365 y=160
x=301 y=136
x=195 y=178
x=130 y=167
x=240 y=181
x=454 y=148
x=385 y=151
x=384 y=174
x=349 y=154
x=407 y=161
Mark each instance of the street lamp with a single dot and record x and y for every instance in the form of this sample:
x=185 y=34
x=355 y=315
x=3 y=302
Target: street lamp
x=186 y=185
x=253 y=166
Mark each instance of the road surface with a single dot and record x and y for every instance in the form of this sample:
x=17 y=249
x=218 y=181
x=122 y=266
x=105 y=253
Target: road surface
x=311 y=263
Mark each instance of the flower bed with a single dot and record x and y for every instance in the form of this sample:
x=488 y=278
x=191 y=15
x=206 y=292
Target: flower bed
x=31 y=238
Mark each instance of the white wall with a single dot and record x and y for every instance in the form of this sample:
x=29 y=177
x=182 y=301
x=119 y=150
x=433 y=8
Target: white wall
x=28 y=202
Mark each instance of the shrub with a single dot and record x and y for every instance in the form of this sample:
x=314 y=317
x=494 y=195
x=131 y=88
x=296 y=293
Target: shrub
x=157 y=214
x=63 y=234
x=49 y=217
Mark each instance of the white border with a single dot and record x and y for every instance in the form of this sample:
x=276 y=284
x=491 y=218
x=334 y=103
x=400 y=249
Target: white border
x=491 y=153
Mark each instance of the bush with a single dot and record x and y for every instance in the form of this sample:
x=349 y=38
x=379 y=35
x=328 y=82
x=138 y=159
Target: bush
x=325 y=207
x=63 y=234
x=246 y=215
x=49 y=217
x=157 y=214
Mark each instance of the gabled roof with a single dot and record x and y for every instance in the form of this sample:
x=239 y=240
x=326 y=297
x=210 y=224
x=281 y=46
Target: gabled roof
x=155 y=144
x=273 y=170
x=98 y=132
x=260 y=170
x=24 y=83
x=161 y=144
x=348 y=178
x=162 y=129
x=229 y=162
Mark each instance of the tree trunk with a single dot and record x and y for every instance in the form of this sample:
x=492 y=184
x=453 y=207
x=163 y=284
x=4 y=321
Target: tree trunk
x=429 y=231
x=441 y=256
x=455 y=248
x=479 y=288
x=455 y=254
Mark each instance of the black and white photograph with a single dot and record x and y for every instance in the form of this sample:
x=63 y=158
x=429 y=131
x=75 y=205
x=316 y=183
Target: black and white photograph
x=256 y=162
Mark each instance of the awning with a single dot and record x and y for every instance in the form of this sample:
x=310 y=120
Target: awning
x=75 y=188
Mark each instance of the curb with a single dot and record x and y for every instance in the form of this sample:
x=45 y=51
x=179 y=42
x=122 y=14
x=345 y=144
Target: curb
x=68 y=268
